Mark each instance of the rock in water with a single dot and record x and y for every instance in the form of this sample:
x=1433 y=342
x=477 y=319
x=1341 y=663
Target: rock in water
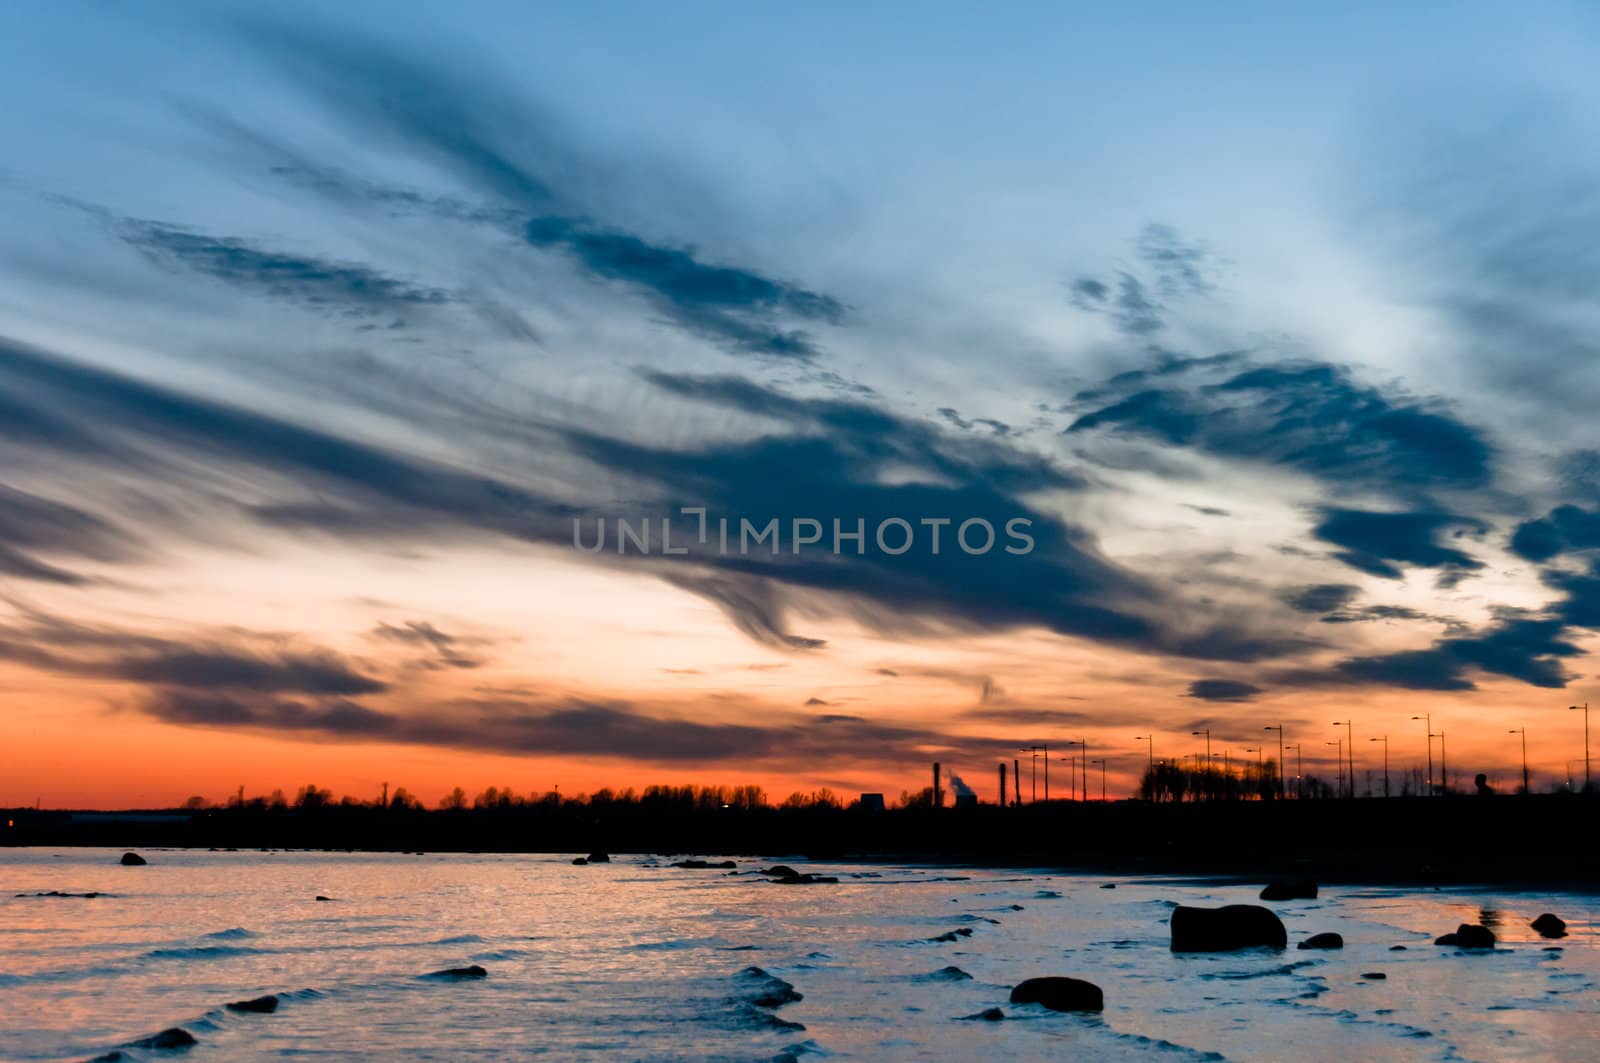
x=1290 y=889
x=1060 y=994
x=1328 y=940
x=705 y=865
x=133 y=860
x=1550 y=926
x=1233 y=926
x=1468 y=936
x=460 y=972
x=579 y=861
x=166 y=1040
x=599 y=858
x=780 y=871
x=986 y=1015
x=260 y=1005
x=1375 y=976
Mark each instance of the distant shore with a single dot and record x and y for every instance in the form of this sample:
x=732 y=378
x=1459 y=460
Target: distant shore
x=1538 y=839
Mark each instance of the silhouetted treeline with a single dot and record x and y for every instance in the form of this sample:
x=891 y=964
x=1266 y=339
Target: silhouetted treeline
x=1541 y=837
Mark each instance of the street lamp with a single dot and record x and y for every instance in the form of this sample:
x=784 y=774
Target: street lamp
x=1299 y=776
x=1350 y=751
x=1260 y=768
x=1152 y=740
x=1207 y=733
x=1427 y=726
x=1281 y=769
x=1071 y=761
x=1035 y=771
x=1385 y=741
x=1102 y=764
x=1444 y=766
x=1338 y=744
x=1585 y=708
x=1083 y=766
x=1523 y=731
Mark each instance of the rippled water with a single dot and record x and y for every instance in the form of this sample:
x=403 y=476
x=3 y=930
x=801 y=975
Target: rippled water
x=636 y=961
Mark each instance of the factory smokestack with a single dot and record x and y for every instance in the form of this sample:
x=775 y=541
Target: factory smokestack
x=938 y=794
x=966 y=797
x=1002 y=784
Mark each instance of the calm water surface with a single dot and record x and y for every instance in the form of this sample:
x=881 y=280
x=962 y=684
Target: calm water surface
x=637 y=961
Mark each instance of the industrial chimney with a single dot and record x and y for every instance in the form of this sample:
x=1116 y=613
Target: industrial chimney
x=1002 y=784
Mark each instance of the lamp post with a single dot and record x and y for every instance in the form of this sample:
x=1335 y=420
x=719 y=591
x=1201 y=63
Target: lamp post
x=1444 y=766
x=1585 y=708
x=1102 y=764
x=1385 y=741
x=1338 y=745
x=1151 y=740
x=1350 y=751
x=1083 y=767
x=1260 y=767
x=1281 y=769
x=1034 y=772
x=1207 y=733
x=1071 y=761
x=1523 y=731
x=1299 y=776
x=1427 y=726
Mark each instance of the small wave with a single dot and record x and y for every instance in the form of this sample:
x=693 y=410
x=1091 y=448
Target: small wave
x=201 y=952
x=233 y=933
x=943 y=974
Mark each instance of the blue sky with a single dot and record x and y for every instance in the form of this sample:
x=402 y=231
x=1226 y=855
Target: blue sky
x=1280 y=324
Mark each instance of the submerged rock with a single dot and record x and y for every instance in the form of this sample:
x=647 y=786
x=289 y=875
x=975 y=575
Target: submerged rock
x=1468 y=936
x=599 y=858
x=1376 y=976
x=1397 y=948
x=57 y=893
x=986 y=1015
x=772 y=992
x=703 y=865
x=133 y=860
x=1290 y=889
x=166 y=1040
x=259 y=1006
x=579 y=861
x=780 y=871
x=320 y=897
x=951 y=974
x=1328 y=940
x=1550 y=926
x=1233 y=926
x=1059 y=994
x=473 y=971
x=953 y=935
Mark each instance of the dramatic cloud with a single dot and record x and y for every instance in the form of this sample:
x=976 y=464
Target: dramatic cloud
x=1308 y=416
x=309 y=281
x=1374 y=542
x=1223 y=690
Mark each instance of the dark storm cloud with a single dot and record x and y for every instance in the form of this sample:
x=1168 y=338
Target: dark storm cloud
x=1566 y=528
x=31 y=525
x=1223 y=690
x=371 y=491
x=156 y=432
x=236 y=669
x=575 y=727
x=1378 y=543
x=1529 y=649
x=732 y=306
x=235 y=661
x=1063 y=584
x=541 y=186
x=1311 y=416
x=305 y=280
x=1321 y=597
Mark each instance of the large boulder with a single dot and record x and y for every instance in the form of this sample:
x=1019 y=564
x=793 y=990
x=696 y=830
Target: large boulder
x=167 y=1040
x=599 y=858
x=1060 y=994
x=259 y=1005
x=1290 y=889
x=1550 y=926
x=1233 y=926
x=1328 y=940
x=1468 y=936
x=133 y=860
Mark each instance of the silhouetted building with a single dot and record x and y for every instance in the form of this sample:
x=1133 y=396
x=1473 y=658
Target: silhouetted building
x=872 y=803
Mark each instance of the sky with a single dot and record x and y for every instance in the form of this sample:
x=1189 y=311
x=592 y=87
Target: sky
x=329 y=337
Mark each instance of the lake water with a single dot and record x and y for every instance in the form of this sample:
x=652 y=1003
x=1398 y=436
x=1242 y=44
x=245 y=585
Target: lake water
x=635 y=961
